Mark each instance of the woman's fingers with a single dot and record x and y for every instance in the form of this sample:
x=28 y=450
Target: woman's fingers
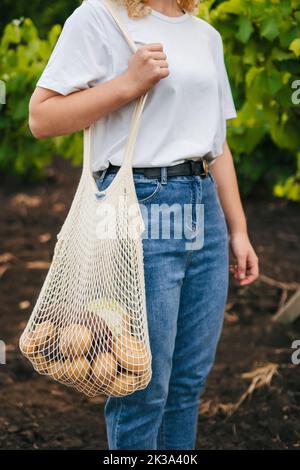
x=245 y=269
x=252 y=269
x=158 y=55
x=146 y=67
x=162 y=63
x=245 y=265
x=241 y=266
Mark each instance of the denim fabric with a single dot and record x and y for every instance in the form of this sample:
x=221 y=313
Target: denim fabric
x=186 y=293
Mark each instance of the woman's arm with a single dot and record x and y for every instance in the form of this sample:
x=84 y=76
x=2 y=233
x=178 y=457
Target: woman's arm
x=52 y=114
x=246 y=262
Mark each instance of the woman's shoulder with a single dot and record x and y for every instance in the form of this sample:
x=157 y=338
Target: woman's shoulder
x=208 y=29
x=89 y=11
x=91 y=17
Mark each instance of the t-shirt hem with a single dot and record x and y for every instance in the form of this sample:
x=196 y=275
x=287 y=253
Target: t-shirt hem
x=54 y=87
x=230 y=114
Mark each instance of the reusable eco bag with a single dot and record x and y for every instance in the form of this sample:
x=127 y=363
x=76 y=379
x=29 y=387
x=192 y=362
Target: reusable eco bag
x=89 y=326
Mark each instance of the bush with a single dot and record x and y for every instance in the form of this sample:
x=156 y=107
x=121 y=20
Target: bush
x=43 y=14
x=262 y=49
x=23 y=56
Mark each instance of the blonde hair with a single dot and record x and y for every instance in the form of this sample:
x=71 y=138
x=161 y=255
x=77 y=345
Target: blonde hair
x=140 y=8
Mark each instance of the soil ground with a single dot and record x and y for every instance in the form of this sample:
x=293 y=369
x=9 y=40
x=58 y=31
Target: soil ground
x=36 y=413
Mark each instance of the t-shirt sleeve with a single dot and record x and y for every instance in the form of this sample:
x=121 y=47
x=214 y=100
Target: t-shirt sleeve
x=81 y=57
x=228 y=103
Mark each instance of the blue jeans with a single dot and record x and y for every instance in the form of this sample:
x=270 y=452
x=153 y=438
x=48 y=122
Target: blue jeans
x=186 y=293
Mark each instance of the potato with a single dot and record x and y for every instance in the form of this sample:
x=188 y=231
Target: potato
x=77 y=370
x=104 y=369
x=57 y=369
x=91 y=390
x=102 y=336
x=75 y=340
x=43 y=332
x=131 y=353
x=112 y=313
x=51 y=351
x=123 y=384
x=144 y=378
x=27 y=344
x=39 y=362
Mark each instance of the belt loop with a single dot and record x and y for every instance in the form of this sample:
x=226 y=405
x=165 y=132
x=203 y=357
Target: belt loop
x=100 y=194
x=163 y=175
x=101 y=178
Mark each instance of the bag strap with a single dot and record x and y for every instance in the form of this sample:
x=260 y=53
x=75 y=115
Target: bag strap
x=111 y=6
x=136 y=117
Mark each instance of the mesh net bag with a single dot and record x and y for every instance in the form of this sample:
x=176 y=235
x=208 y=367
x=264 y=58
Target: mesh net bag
x=89 y=326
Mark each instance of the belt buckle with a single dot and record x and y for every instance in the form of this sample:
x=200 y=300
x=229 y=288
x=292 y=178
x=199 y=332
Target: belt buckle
x=205 y=166
x=195 y=167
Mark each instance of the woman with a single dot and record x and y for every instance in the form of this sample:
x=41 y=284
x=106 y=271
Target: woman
x=181 y=158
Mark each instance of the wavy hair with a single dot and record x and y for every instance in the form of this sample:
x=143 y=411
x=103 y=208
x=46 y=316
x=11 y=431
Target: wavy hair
x=140 y=8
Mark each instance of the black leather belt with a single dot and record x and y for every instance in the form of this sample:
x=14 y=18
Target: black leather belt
x=188 y=168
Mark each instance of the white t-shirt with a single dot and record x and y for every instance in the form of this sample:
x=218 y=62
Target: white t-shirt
x=185 y=114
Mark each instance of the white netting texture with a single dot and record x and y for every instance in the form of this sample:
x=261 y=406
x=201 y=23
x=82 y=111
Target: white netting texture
x=89 y=326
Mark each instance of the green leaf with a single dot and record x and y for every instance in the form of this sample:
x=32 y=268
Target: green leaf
x=53 y=35
x=288 y=34
x=289 y=189
x=252 y=74
x=280 y=55
x=270 y=28
x=295 y=47
x=275 y=82
x=245 y=29
x=231 y=6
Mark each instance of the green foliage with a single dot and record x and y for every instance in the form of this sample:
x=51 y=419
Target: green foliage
x=23 y=56
x=262 y=48
x=43 y=14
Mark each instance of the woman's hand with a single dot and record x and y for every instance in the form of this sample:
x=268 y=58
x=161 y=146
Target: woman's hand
x=146 y=67
x=245 y=269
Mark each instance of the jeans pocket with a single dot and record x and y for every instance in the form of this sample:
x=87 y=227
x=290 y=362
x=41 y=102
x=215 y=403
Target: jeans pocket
x=146 y=189
x=103 y=183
